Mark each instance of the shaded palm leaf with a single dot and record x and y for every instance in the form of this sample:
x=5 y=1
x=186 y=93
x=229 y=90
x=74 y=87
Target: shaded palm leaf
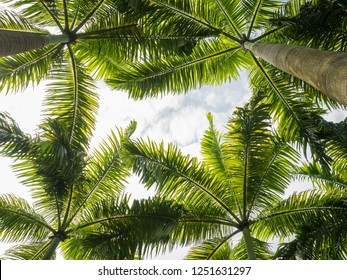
x=114 y=230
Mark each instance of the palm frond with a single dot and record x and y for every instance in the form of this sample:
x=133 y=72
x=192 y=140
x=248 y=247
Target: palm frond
x=257 y=13
x=180 y=177
x=14 y=21
x=112 y=229
x=14 y=142
x=318 y=239
x=210 y=63
x=20 y=222
x=212 y=150
x=39 y=12
x=292 y=111
x=323 y=180
x=213 y=249
x=104 y=174
x=72 y=98
x=33 y=251
x=262 y=250
x=316 y=24
x=286 y=217
x=19 y=71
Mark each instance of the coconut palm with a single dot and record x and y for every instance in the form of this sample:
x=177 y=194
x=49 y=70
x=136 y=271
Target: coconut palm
x=237 y=188
x=239 y=33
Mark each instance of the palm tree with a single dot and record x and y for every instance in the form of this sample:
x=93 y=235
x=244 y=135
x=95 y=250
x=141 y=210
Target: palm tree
x=236 y=189
x=77 y=191
x=235 y=26
x=37 y=37
x=78 y=200
x=239 y=32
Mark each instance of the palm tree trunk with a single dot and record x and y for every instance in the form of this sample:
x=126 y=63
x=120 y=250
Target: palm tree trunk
x=324 y=70
x=14 y=42
x=249 y=244
x=51 y=248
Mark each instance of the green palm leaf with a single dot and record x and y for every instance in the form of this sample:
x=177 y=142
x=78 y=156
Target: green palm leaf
x=14 y=142
x=203 y=66
x=19 y=221
x=262 y=250
x=298 y=208
x=114 y=230
x=215 y=249
x=72 y=98
x=25 y=251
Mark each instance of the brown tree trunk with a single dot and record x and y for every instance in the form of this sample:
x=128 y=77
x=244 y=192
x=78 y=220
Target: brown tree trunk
x=14 y=42
x=324 y=70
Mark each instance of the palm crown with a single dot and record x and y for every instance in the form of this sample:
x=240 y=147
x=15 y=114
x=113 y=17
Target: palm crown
x=238 y=187
x=219 y=58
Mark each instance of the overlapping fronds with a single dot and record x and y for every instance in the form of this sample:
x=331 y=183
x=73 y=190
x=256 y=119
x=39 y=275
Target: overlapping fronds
x=40 y=12
x=288 y=216
x=15 y=21
x=211 y=63
x=113 y=229
x=105 y=174
x=292 y=111
x=180 y=177
x=318 y=24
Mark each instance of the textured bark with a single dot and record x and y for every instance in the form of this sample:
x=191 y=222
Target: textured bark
x=324 y=70
x=14 y=42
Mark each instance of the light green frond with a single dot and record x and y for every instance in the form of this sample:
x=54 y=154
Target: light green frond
x=213 y=249
x=246 y=148
x=262 y=250
x=212 y=150
x=20 y=222
x=19 y=71
x=15 y=21
x=212 y=63
x=72 y=97
x=40 y=11
x=33 y=251
x=323 y=180
x=104 y=174
x=180 y=177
